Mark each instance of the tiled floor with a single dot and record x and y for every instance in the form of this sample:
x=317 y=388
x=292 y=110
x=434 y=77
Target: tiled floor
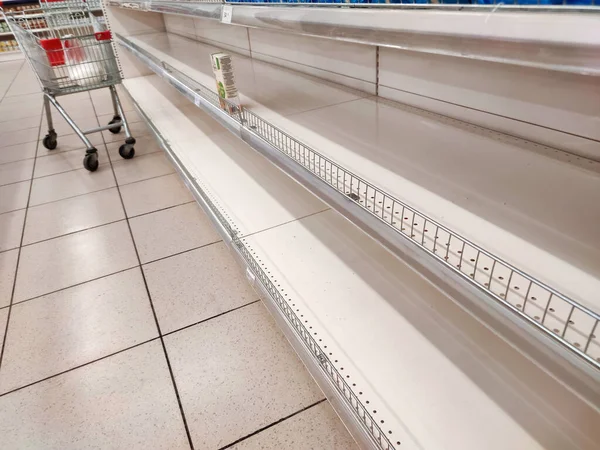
x=125 y=321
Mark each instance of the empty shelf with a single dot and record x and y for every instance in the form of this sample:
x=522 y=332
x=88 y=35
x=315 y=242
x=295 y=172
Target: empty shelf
x=412 y=365
x=501 y=33
x=487 y=186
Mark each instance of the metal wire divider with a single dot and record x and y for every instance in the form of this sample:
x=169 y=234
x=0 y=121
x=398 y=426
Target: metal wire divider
x=570 y=323
x=567 y=322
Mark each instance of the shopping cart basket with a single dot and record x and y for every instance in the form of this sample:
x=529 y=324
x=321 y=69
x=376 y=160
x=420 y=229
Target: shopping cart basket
x=73 y=53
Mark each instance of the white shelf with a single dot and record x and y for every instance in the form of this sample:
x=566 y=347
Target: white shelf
x=272 y=91
x=436 y=377
x=489 y=187
x=558 y=39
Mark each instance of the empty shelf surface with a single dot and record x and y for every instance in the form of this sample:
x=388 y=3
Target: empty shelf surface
x=534 y=206
x=430 y=374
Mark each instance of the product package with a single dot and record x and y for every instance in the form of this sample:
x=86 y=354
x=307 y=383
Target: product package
x=223 y=69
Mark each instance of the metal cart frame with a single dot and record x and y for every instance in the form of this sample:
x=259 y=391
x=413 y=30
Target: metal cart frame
x=73 y=54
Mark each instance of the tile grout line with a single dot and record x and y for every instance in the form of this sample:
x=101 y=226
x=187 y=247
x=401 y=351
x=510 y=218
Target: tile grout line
x=14 y=284
x=72 y=286
x=254 y=233
x=162 y=341
x=182 y=252
x=112 y=273
x=131 y=347
x=266 y=427
x=12 y=82
x=91 y=192
x=93 y=227
x=168 y=333
x=139 y=344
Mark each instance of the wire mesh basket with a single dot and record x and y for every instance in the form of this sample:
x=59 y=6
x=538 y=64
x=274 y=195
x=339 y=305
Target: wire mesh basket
x=73 y=53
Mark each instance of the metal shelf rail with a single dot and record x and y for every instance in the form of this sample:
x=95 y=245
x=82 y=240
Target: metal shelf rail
x=511 y=34
x=566 y=322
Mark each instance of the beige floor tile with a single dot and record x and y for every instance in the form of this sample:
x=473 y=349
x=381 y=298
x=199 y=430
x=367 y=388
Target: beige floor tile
x=137 y=129
x=164 y=233
x=72 y=101
x=144 y=145
x=83 y=121
x=14 y=196
x=68 y=260
x=16 y=171
x=196 y=285
x=20 y=124
x=69 y=143
x=318 y=427
x=70 y=184
x=32 y=99
x=15 y=137
x=17 y=152
x=25 y=83
x=249 y=395
x=72 y=214
x=60 y=331
x=76 y=106
x=65 y=162
x=103 y=103
x=141 y=168
x=126 y=401
x=8 y=267
x=12 y=112
x=156 y=193
x=11 y=228
x=132 y=117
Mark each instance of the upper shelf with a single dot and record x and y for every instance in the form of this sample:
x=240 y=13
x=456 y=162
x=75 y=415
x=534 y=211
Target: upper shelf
x=548 y=39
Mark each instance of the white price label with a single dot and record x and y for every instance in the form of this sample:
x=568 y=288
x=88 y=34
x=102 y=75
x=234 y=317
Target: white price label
x=197 y=101
x=227 y=14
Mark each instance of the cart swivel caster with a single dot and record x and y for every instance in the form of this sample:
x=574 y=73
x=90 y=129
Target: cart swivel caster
x=90 y=160
x=115 y=130
x=50 y=141
x=126 y=150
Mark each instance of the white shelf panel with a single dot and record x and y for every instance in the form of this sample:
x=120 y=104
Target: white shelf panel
x=489 y=187
x=562 y=39
x=436 y=377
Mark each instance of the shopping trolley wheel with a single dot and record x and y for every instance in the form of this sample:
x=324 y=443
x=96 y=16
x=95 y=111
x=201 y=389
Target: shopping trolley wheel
x=126 y=151
x=90 y=161
x=115 y=130
x=50 y=141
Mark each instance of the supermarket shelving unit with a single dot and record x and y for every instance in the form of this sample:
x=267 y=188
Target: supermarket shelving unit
x=480 y=331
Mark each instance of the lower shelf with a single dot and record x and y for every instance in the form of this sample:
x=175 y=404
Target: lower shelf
x=405 y=366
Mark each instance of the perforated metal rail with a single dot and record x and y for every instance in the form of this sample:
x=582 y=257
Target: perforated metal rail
x=567 y=322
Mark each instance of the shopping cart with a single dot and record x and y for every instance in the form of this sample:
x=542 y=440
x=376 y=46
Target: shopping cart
x=73 y=53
